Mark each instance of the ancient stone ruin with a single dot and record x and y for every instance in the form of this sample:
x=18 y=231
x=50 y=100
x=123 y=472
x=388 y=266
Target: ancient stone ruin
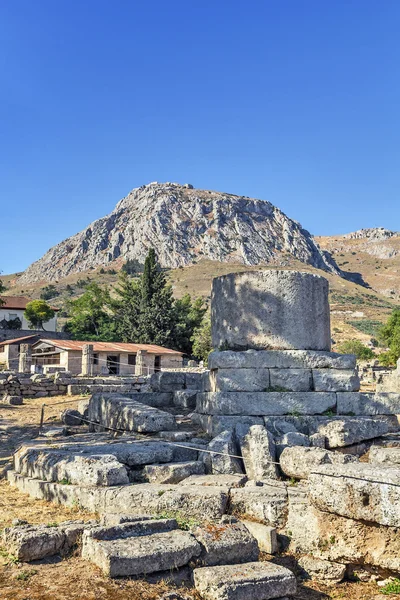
x=196 y=475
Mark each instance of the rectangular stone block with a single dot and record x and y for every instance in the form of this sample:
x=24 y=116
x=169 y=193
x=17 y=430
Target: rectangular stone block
x=265 y=535
x=345 y=432
x=357 y=491
x=330 y=380
x=215 y=424
x=389 y=457
x=359 y=403
x=267 y=503
x=280 y=359
x=265 y=403
x=290 y=380
x=251 y=581
x=239 y=380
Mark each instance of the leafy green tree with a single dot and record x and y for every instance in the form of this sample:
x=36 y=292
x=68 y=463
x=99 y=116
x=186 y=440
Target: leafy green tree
x=126 y=309
x=356 y=347
x=201 y=339
x=49 y=292
x=187 y=319
x=37 y=313
x=91 y=317
x=389 y=334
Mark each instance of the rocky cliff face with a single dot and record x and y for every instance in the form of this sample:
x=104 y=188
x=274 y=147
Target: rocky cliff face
x=183 y=225
x=372 y=234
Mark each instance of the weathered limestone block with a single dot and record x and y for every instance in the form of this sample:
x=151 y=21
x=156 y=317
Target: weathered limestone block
x=167 y=381
x=13 y=400
x=266 y=536
x=138 y=555
x=35 y=542
x=279 y=427
x=258 y=450
x=239 y=380
x=330 y=380
x=284 y=310
x=280 y=359
x=267 y=503
x=384 y=456
x=340 y=539
x=185 y=399
x=216 y=424
x=317 y=440
x=322 y=570
x=226 y=544
x=252 y=581
x=344 y=432
x=290 y=439
x=358 y=491
x=171 y=472
x=71 y=417
x=193 y=381
x=265 y=403
x=290 y=380
x=222 y=459
x=54 y=465
x=227 y=481
x=299 y=462
x=368 y=404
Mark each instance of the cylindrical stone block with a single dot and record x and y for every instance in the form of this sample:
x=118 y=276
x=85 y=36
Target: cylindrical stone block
x=276 y=310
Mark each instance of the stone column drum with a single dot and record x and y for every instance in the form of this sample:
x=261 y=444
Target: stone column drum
x=272 y=309
x=87 y=360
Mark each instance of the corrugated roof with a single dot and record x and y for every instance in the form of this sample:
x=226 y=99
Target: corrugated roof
x=18 y=303
x=17 y=340
x=109 y=346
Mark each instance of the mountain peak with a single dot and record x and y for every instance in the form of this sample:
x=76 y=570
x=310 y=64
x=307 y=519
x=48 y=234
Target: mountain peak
x=183 y=224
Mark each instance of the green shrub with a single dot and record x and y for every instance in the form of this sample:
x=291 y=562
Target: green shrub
x=355 y=347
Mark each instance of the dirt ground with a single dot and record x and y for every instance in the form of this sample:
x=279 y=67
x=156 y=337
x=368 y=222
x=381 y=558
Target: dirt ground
x=72 y=578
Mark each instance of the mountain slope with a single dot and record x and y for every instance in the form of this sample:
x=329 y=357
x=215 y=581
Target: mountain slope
x=375 y=253
x=184 y=225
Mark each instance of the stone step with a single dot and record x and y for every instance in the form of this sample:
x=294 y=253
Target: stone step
x=140 y=555
x=249 y=581
x=226 y=543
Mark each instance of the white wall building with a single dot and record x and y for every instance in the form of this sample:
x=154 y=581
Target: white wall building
x=14 y=307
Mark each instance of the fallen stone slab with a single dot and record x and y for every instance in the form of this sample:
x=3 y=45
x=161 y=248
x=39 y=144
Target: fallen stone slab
x=225 y=544
x=265 y=535
x=358 y=491
x=53 y=465
x=359 y=403
x=331 y=380
x=167 y=381
x=266 y=503
x=13 y=400
x=280 y=359
x=257 y=447
x=379 y=455
x=322 y=570
x=71 y=417
x=265 y=403
x=35 y=542
x=139 y=555
x=299 y=462
x=345 y=432
x=250 y=581
x=171 y=472
x=131 y=528
x=229 y=481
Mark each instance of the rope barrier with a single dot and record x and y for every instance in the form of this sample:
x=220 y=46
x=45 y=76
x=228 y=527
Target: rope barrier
x=176 y=444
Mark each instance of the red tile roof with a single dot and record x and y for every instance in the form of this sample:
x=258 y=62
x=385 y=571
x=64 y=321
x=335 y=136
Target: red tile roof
x=17 y=303
x=110 y=346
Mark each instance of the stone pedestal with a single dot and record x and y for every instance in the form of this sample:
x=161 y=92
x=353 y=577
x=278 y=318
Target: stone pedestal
x=270 y=310
x=25 y=358
x=140 y=367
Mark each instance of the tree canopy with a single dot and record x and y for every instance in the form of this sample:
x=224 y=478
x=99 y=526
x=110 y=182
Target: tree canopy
x=390 y=336
x=90 y=315
x=37 y=313
x=355 y=347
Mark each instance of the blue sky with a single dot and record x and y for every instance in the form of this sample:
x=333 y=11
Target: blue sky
x=292 y=101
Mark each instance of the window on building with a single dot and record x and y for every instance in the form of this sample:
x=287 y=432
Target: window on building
x=95 y=359
x=157 y=363
x=12 y=316
x=132 y=359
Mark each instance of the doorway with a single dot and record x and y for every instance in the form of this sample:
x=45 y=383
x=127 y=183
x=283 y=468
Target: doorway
x=113 y=364
x=157 y=363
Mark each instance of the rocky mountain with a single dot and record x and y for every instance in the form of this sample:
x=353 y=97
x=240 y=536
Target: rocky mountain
x=372 y=234
x=184 y=225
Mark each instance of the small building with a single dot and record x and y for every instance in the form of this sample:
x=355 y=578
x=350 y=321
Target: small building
x=10 y=349
x=108 y=357
x=13 y=307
